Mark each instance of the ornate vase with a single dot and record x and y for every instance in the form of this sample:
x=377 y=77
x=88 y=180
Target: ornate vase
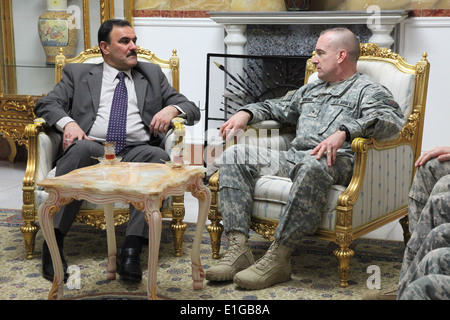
x=296 y=5
x=56 y=29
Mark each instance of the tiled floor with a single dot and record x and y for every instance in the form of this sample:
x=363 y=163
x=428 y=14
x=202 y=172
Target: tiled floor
x=11 y=176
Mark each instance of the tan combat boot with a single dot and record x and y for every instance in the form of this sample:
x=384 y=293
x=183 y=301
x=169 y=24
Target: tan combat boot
x=274 y=267
x=237 y=257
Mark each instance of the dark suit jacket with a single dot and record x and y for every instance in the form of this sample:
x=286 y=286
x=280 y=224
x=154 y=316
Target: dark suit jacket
x=78 y=95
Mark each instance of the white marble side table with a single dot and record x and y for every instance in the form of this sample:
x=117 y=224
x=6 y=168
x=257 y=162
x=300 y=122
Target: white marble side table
x=144 y=185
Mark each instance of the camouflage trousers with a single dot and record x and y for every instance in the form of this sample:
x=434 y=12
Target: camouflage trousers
x=424 y=181
x=428 y=277
x=430 y=230
x=241 y=165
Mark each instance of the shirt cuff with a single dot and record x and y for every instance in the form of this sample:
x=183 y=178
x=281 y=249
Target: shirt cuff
x=182 y=113
x=61 y=123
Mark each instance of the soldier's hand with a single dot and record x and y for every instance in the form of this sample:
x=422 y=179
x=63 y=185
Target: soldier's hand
x=330 y=146
x=238 y=122
x=442 y=153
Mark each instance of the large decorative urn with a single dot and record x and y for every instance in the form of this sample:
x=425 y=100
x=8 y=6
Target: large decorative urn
x=57 y=29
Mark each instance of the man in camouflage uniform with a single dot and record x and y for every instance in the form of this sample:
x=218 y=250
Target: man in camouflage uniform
x=425 y=270
x=328 y=114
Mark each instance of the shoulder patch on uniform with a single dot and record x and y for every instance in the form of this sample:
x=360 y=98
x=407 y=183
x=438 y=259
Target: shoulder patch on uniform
x=391 y=103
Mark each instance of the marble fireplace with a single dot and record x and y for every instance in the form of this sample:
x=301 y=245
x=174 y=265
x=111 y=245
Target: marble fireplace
x=295 y=33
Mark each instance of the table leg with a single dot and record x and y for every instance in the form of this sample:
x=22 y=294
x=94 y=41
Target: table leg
x=154 y=220
x=45 y=214
x=203 y=194
x=111 y=237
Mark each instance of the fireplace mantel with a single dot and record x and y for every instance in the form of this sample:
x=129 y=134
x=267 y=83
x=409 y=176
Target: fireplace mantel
x=306 y=17
x=381 y=23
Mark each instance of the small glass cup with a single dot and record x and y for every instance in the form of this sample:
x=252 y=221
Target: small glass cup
x=178 y=155
x=110 y=153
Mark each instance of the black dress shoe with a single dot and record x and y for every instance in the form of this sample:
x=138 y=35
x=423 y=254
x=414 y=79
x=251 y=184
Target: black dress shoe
x=129 y=264
x=47 y=264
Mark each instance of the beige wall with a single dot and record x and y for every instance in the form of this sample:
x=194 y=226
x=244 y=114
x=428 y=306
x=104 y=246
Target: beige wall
x=278 y=5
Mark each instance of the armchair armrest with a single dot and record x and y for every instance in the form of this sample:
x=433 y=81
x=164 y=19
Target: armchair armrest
x=31 y=133
x=29 y=183
x=43 y=145
x=174 y=143
x=382 y=176
x=266 y=124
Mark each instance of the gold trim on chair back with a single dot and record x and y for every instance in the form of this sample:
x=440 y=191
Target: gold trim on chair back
x=143 y=54
x=61 y=60
x=173 y=64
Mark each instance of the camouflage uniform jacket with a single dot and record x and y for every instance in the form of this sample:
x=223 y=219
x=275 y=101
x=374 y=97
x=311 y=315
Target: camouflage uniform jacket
x=317 y=110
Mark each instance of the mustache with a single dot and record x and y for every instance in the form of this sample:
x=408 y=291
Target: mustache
x=132 y=53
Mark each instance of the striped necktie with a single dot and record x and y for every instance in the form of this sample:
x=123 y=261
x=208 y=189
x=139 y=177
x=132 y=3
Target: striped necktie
x=117 y=127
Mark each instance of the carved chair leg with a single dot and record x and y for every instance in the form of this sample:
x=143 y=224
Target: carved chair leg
x=29 y=230
x=215 y=230
x=177 y=226
x=344 y=254
x=404 y=222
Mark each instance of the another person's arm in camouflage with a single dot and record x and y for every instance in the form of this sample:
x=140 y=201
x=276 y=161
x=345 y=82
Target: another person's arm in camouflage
x=441 y=153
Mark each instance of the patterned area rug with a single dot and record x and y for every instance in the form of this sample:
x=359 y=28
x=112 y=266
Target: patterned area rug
x=314 y=268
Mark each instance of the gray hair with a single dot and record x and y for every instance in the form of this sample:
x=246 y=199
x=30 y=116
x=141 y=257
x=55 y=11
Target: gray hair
x=345 y=39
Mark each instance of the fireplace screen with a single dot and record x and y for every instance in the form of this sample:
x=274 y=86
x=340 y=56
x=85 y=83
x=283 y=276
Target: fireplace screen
x=236 y=80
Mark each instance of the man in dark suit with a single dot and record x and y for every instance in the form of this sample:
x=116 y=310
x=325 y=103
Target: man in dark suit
x=79 y=107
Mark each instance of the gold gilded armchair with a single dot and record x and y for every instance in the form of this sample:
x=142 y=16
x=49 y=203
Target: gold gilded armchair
x=383 y=170
x=44 y=144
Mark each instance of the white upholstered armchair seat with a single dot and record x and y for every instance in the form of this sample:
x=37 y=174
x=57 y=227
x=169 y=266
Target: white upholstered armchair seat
x=271 y=195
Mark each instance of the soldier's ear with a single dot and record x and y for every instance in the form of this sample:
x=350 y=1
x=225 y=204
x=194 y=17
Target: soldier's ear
x=342 y=55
